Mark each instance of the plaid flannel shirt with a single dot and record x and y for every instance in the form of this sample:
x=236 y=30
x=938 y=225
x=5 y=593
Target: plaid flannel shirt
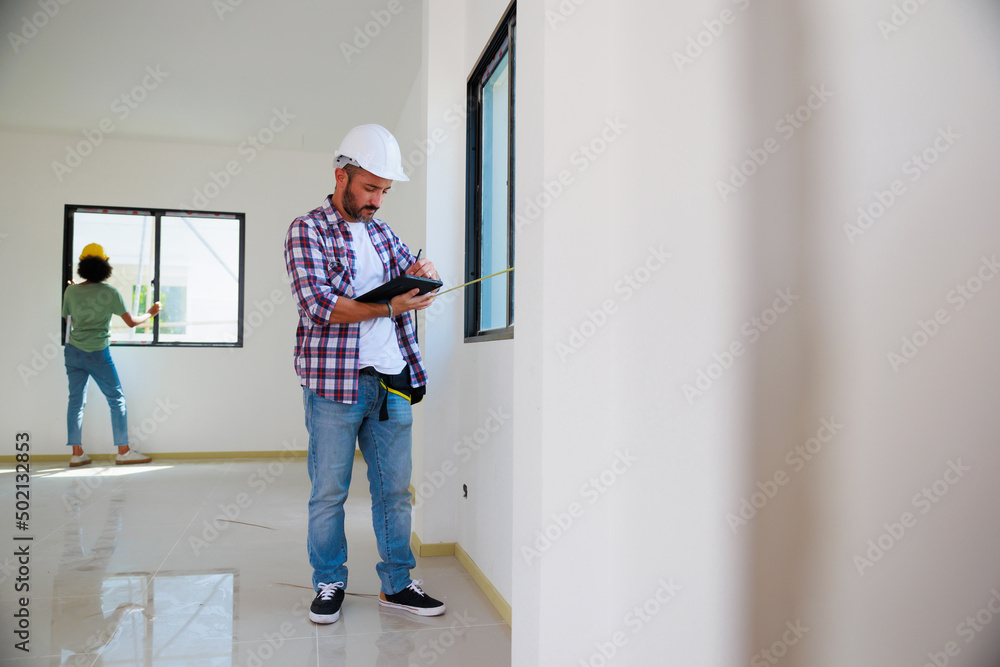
x=320 y=261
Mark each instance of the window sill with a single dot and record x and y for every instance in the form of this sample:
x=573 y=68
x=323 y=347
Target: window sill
x=492 y=334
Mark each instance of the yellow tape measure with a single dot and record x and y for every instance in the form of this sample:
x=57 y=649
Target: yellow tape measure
x=471 y=282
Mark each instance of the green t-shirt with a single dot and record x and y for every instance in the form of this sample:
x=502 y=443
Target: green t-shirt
x=91 y=307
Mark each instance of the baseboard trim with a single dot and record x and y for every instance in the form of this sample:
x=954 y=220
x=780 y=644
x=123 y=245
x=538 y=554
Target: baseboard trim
x=431 y=550
x=207 y=456
x=187 y=456
x=456 y=550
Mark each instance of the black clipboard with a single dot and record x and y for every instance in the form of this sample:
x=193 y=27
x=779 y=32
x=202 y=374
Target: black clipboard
x=399 y=285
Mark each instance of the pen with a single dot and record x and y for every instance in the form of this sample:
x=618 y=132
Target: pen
x=418 y=256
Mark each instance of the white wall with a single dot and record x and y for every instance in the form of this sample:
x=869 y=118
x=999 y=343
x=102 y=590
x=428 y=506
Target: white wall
x=600 y=364
x=825 y=358
x=469 y=412
x=897 y=430
x=897 y=94
x=180 y=400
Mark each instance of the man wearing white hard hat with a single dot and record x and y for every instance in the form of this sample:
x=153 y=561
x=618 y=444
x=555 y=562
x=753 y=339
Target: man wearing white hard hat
x=360 y=369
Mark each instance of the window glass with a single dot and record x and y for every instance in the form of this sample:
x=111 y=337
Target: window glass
x=489 y=303
x=199 y=279
x=494 y=248
x=128 y=241
x=190 y=262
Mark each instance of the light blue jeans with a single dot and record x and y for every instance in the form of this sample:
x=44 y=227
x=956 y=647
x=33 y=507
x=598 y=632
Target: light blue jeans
x=386 y=447
x=80 y=366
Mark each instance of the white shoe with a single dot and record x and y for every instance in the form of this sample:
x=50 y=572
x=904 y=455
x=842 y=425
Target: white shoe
x=131 y=457
x=81 y=460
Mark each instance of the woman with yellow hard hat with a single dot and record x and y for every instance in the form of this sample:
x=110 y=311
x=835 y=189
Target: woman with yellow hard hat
x=90 y=305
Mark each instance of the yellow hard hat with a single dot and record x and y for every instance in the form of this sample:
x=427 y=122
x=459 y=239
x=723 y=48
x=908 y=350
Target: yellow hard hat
x=93 y=250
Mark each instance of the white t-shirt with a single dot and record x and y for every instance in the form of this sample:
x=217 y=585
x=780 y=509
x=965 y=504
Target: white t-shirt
x=378 y=346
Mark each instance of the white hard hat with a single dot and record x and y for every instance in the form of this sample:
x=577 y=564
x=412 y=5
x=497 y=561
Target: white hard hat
x=374 y=149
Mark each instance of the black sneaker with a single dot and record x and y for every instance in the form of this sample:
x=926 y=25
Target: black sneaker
x=414 y=600
x=325 y=608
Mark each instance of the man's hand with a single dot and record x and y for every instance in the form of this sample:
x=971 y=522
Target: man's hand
x=410 y=301
x=423 y=268
x=348 y=310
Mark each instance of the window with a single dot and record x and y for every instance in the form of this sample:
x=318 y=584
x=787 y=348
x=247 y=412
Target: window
x=489 y=304
x=192 y=262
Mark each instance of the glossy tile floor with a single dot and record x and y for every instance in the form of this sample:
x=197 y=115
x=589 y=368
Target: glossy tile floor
x=189 y=564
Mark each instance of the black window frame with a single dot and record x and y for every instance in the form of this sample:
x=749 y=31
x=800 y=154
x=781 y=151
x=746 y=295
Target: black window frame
x=504 y=37
x=69 y=264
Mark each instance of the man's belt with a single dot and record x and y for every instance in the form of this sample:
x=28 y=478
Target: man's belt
x=398 y=384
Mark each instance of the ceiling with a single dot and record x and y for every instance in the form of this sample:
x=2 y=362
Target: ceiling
x=223 y=68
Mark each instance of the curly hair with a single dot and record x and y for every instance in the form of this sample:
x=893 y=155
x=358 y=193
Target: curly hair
x=94 y=269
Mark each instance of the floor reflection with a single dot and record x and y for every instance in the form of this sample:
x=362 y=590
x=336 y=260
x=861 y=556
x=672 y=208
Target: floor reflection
x=397 y=645
x=129 y=587
x=137 y=618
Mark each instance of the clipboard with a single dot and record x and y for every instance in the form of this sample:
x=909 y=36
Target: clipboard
x=399 y=285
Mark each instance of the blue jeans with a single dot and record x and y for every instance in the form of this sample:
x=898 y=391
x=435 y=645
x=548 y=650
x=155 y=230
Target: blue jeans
x=386 y=447
x=81 y=366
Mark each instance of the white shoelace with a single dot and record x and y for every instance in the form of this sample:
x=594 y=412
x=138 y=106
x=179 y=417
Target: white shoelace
x=415 y=587
x=326 y=591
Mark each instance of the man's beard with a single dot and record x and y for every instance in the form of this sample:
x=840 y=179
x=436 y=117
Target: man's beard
x=353 y=209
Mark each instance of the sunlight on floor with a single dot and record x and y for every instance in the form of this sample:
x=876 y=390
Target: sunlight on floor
x=117 y=471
